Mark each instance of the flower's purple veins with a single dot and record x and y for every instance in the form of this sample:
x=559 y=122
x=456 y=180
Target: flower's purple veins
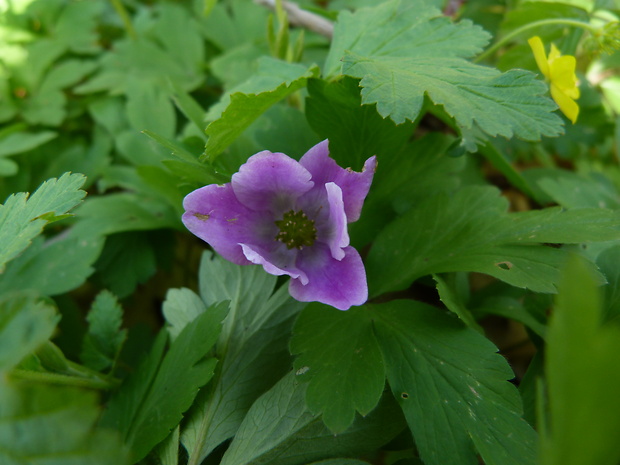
x=291 y=218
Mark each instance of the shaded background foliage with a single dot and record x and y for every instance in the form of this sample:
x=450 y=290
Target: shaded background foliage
x=122 y=340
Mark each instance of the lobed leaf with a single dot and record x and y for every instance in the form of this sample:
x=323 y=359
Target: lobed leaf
x=452 y=387
x=152 y=402
x=104 y=338
x=274 y=81
x=20 y=216
x=412 y=50
x=280 y=429
x=252 y=347
x=338 y=353
x=471 y=231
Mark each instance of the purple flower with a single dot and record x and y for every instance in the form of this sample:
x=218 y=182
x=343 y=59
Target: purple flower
x=290 y=217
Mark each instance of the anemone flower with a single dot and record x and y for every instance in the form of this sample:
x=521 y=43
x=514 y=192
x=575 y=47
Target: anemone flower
x=560 y=72
x=291 y=218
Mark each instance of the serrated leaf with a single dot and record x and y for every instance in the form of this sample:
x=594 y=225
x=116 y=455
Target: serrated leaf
x=104 y=337
x=509 y=104
x=402 y=28
x=280 y=429
x=453 y=388
x=153 y=401
x=19 y=216
x=50 y=425
x=471 y=231
x=581 y=366
x=253 y=349
x=26 y=322
x=418 y=52
x=340 y=356
x=274 y=81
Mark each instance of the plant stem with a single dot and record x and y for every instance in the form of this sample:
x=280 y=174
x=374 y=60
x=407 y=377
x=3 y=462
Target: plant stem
x=64 y=380
x=544 y=22
x=122 y=12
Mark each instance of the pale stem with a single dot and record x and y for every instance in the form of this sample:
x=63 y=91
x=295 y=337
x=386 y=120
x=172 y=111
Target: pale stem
x=302 y=18
x=544 y=22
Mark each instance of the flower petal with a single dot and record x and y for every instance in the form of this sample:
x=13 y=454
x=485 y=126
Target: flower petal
x=539 y=55
x=568 y=106
x=354 y=185
x=334 y=233
x=563 y=75
x=339 y=283
x=271 y=182
x=277 y=261
x=214 y=214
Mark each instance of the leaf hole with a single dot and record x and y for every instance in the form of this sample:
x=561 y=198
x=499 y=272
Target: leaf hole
x=404 y=395
x=504 y=265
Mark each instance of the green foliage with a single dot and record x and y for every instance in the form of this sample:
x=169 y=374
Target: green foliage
x=290 y=434
x=151 y=99
x=143 y=409
x=104 y=338
x=60 y=426
x=22 y=217
x=580 y=362
x=26 y=322
x=397 y=77
x=509 y=247
x=273 y=81
x=338 y=350
x=432 y=360
x=252 y=349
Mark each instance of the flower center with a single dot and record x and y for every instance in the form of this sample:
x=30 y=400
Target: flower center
x=296 y=230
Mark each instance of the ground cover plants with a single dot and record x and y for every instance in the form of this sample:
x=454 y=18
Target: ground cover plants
x=329 y=232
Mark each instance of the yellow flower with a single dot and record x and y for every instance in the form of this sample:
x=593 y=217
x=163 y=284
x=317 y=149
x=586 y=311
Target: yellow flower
x=560 y=71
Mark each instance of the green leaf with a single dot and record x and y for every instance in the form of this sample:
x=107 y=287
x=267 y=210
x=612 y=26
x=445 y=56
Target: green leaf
x=26 y=322
x=125 y=211
x=355 y=131
x=452 y=386
x=582 y=376
x=104 y=338
x=448 y=289
x=280 y=429
x=149 y=107
x=253 y=349
x=19 y=216
x=418 y=52
x=19 y=142
x=152 y=402
x=273 y=81
x=471 y=231
x=127 y=260
x=53 y=267
x=572 y=190
x=340 y=356
x=49 y=425
x=608 y=261
x=181 y=307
